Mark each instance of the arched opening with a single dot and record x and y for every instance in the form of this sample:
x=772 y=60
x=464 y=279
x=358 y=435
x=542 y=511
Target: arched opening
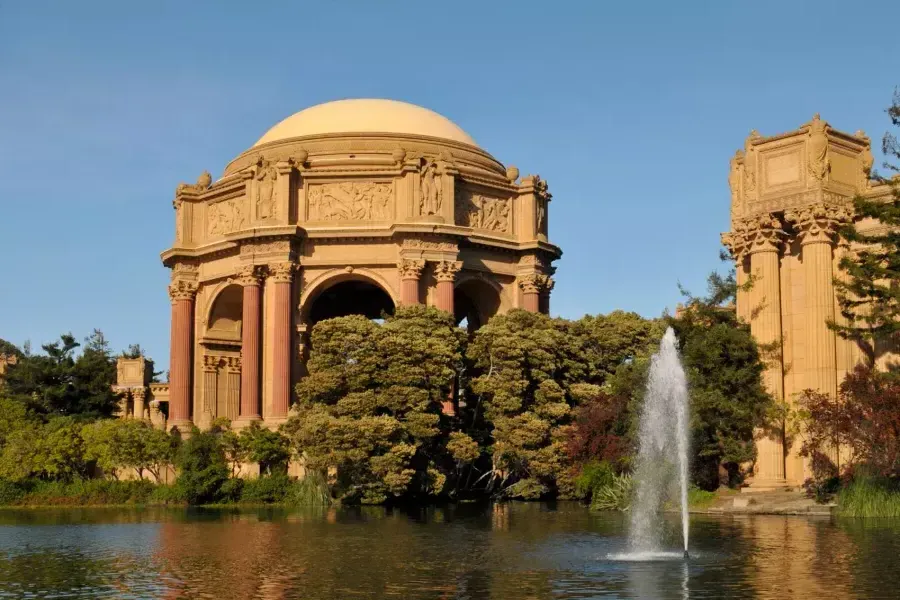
x=225 y=314
x=353 y=297
x=475 y=301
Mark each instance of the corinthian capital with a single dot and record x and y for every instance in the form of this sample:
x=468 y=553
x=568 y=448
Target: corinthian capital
x=411 y=269
x=446 y=270
x=183 y=289
x=761 y=233
x=535 y=283
x=282 y=272
x=249 y=275
x=736 y=245
x=819 y=223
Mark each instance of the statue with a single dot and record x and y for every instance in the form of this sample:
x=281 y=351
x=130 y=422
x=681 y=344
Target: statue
x=818 y=149
x=430 y=203
x=734 y=179
x=266 y=175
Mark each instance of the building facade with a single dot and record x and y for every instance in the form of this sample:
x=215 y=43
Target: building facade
x=790 y=194
x=349 y=207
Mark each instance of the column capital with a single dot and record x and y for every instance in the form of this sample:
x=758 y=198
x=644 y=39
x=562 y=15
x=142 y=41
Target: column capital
x=736 y=245
x=282 y=272
x=411 y=269
x=819 y=223
x=211 y=363
x=536 y=283
x=183 y=289
x=446 y=270
x=759 y=233
x=232 y=364
x=249 y=275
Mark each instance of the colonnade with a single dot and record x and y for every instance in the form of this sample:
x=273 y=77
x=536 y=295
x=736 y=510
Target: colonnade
x=278 y=280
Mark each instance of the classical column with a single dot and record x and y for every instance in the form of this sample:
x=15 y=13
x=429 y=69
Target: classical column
x=279 y=280
x=533 y=285
x=232 y=387
x=139 y=406
x=182 y=293
x=764 y=245
x=208 y=409
x=445 y=273
x=410 y=273
x=736 y=242
x=248 y=277
x=817 y=230
x=123 y=412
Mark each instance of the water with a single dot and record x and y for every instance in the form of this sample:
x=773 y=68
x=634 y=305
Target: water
x=502 y=552
x=661 y=467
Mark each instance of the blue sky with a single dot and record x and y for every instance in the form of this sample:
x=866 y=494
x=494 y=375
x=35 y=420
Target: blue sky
x=631 y=111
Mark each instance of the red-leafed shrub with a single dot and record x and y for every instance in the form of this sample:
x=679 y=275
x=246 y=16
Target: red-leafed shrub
x=599 y=431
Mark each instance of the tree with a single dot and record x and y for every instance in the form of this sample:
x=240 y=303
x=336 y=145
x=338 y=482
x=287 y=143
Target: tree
x=869 y=293
x=261 y=445
x=52 y=450
x=117 y=444
x=94 y=374
x=202 y=467
x=370 y=408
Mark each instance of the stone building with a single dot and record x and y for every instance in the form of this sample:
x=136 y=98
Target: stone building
x=790 y=193
x=349 y=207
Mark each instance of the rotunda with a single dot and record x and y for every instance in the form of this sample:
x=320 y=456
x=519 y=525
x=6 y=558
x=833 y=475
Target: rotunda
x=348 y=207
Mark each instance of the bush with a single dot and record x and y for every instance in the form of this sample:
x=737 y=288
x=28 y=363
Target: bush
x=312 y=490
x=594 y=475
x=11 y=492
x=167 y=494
x=870 y=497
x=615 y=495
x=203 y=468
x=94 y=492
x=526 y=489
x=266 y=490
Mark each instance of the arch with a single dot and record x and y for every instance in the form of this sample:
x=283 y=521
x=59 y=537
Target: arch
x=476 y=299
x=223 y=321
x=358 y=291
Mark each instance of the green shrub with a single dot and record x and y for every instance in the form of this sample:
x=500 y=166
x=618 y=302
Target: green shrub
x=266 y=490
x=166 y=494
x=615 y=495
x=312 y=490
x=526 y=489
x=11 y=492
x=699 y=498
x=594 y=475
x=869 y=497
x=78 y=492
x=203 y=469
x=232 y=490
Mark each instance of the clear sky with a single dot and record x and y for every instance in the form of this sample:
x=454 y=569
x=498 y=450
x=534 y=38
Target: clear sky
x=631 y=111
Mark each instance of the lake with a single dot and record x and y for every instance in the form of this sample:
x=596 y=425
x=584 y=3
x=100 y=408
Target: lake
x=502 y=551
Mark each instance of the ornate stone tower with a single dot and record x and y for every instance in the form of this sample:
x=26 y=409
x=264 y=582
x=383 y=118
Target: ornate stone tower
x=349 y=207
x=789 y=195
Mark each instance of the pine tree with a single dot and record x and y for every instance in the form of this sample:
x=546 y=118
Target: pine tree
x=869 y=294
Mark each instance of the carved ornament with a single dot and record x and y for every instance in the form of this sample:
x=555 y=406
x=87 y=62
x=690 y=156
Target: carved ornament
x=281 y=272
x=351 y=201
x=411 y=269
x=249 y=275
x=233 y=364
x=819 y=223
x=536 y=283
x=211 y=363
x=482 y=212
x=282 y=246
x=225 y=217
x=761 y=233
x=446 y=270
x=417 y=244
x=735 y=175
x=183 y=289
x=266 y=175
x=203 y=183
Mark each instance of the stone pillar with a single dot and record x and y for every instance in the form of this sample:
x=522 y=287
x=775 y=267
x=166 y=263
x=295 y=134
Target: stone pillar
x=279 y=283
x=533 y=285
x=410 y=273
x=445 y=273
x=208 y=406
x=182 y=293
x=123 y=412
x=250 y=350
x=157 y=418
x=764 y=244
x=736 y=242
x=232 y=387
x=139 y=407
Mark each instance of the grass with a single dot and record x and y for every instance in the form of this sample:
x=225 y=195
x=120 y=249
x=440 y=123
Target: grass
x=869 y=497
x=698 y=498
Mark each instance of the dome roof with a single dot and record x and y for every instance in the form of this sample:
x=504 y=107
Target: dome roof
x=366 y=116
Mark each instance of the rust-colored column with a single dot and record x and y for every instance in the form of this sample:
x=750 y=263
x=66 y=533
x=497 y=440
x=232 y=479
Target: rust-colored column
x=410 y=273
x=279 y=283
x=250 y=351
x=445 y=273
x=182 y=293
x=532 y=286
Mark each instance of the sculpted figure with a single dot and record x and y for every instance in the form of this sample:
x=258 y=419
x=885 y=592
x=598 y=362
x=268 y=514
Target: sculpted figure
x=818 y=149
x=266 y=174
x=431 y=192
x=734 y=179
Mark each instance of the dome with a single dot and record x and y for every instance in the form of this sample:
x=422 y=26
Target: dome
x=366 y=116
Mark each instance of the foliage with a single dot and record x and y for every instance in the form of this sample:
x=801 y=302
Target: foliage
x=266 y=490
x=117 y=444
x=52 y=450
x=268 y=448
x=202 y=467
x=615 y=495
x=864 y=421
x=59 y=382
x=608 y=341
x=594 y=475
x=700 y=498
x=371 y=406
x=9 y=349
x=869 y=497
x=869 y=294
x=312 y=490
x=600 y=431
x=78 y=492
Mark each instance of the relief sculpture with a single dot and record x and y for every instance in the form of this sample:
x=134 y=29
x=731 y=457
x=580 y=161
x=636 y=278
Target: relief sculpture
x=482 y=212
x=225 y=217
x=266 y=175
x=350 y=201
x=430 y=203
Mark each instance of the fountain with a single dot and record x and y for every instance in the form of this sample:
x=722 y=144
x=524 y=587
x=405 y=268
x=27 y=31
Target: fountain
x=662 y=460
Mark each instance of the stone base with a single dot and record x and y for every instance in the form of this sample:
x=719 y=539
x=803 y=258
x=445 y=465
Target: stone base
x=184 y=426
x=766 y=485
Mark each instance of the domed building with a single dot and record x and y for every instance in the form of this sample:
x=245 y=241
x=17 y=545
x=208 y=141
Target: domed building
x=349 y=207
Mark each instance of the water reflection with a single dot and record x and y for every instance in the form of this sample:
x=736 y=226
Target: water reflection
x=506 y=551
